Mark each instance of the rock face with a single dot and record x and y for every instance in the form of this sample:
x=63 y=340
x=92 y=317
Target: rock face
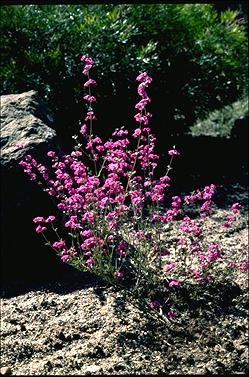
x=26 y=120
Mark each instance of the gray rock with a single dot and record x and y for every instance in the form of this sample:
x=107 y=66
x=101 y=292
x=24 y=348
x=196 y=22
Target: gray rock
x=25 y=119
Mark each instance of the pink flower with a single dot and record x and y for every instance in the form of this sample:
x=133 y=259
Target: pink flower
x=40 y=229
x=90 y=115
x=90 y=262
x=65 y=257
x=226 y=224
x=213 y=256
x=244 y=266
x=202 y=257
x=174 y=283
x=169 y=267
x=181 y=241
x=230 y=218
x=89 y=82
x=89 y=98
x=50 y=219
x=212 y=247
x=172 y=313
x=119 y=274
x=143 y=77
x=20 y=145
x=204 y=265
x=173 y=152
x=87 y=233
x=122 y=253
x=141 y=105
x=87 y=69
x=165 y=178
x=59 y=244
x=232 y=264
x=51 y=154
x=154 y=304
x=38 y=220
x=236 y=207
x=89 y=243
x=123 y=245
x=196 y=273
x=85 y=58
x=137 y=132
x=138 y=117
x=83 y=129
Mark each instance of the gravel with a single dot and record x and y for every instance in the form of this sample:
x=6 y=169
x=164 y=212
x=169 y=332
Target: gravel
x=83 y=327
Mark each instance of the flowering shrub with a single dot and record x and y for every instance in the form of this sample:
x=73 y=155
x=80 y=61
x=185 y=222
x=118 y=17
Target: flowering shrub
x=114 y=222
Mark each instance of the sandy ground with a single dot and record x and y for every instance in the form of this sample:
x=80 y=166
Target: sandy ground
x=82 y=327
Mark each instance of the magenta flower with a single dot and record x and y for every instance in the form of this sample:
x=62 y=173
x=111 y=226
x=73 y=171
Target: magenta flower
x=232 y=264
x=50 y=219
x=123 y=245
x=116 y=191
x=119 y=274
x=213 y=256
x=87 y=233
x=169 y=267
x=236 y=207
x=83 y=129
x=65 y=257
x=90 y=115
x=143 y=77
x=165 y=178
x=196 y=273
x=122 y=253
x=212 y=247
x=59 y=244
x=89 y=82
x=39 y=219
x=244 y=266
x=89 y=98
x=154 y=304
x=20 y=145
x=137 y=132
x=172 y=313
x=173 y=152
x=181 y=241
x=87 y=59
x=90 y=262
x=142 y=104
x=230 y=218
x=174 y=283
x=40 y=229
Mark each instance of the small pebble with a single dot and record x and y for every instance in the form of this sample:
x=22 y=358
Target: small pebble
x=5 y=371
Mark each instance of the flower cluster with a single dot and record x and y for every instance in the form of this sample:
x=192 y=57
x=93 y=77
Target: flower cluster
x=113 y=210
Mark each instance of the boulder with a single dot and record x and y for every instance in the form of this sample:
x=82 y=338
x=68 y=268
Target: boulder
x=25 y=119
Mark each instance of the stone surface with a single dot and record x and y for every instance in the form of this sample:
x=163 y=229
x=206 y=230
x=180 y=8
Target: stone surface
x=25 y=119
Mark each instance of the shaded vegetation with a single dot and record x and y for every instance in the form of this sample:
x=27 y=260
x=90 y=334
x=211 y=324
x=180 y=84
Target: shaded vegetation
x=196 y=55
x=221 y=122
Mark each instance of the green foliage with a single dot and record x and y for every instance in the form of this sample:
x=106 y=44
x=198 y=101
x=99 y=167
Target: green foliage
x=198 y=58
x=220 y=122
